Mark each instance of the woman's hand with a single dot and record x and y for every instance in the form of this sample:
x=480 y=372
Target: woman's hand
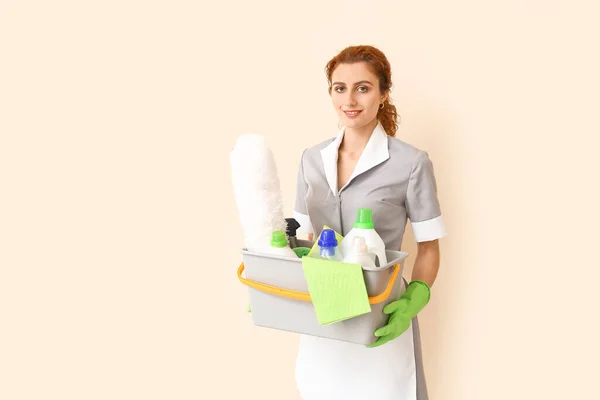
x=416 y=296
x=402 y=311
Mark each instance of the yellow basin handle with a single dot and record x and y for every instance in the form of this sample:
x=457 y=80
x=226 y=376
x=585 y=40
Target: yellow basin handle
x=303 y=296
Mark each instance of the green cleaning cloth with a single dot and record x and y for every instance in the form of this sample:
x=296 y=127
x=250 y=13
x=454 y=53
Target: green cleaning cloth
x=337 y=289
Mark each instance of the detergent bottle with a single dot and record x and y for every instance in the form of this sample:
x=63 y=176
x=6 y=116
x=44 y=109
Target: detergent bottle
x=359 y=254
x=364 y=227
x=279 y=245
x=328 y=246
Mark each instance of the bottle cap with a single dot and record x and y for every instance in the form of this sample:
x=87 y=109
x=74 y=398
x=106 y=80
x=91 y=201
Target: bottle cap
x=278 y=239
x=364 y=219
x=327 y=238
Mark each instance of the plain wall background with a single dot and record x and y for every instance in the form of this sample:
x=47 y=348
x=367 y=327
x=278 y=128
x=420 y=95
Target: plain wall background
x=119 y=236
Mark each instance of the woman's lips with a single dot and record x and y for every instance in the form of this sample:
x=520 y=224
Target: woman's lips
x=352 y=113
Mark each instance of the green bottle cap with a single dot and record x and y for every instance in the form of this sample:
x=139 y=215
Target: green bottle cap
x=278 y=239
x=364 y=219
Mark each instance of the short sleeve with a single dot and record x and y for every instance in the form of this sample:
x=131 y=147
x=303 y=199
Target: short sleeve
x=422 y=204
x=300 y=211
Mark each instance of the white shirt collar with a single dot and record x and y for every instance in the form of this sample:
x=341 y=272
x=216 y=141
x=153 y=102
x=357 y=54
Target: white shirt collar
x=375 y=152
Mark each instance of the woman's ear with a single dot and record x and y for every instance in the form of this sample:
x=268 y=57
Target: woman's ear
x=385 y=96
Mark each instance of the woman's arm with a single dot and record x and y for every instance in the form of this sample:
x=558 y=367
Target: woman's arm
x=427 y=262
x=415 y=297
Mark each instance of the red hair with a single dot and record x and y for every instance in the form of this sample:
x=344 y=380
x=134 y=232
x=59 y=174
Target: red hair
x=380 y=66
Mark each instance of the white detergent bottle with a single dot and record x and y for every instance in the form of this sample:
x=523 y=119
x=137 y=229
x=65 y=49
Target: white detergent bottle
x=364 y=227
x=359 y=254
x=279 y=245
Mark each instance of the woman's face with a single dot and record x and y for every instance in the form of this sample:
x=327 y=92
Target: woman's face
x=355 y=94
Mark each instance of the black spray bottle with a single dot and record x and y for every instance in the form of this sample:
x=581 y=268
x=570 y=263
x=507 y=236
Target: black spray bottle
x=292 y=226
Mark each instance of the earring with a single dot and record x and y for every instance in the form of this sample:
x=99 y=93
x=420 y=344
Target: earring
x=381 y=106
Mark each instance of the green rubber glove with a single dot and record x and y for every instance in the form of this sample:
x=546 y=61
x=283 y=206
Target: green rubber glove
x=402 y=311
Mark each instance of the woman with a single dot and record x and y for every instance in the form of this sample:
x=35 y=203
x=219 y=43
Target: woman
x=366 y=167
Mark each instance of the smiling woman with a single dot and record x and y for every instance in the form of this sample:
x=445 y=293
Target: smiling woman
x=356 y=101
x=366 y=62
x=365 y=166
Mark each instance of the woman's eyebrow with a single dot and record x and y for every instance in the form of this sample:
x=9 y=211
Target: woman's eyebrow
x=357 y=83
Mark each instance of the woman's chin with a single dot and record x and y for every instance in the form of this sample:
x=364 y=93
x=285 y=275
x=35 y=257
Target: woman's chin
x=355 y=123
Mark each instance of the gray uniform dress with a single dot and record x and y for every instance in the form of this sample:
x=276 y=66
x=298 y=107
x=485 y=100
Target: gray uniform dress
x=395 y=180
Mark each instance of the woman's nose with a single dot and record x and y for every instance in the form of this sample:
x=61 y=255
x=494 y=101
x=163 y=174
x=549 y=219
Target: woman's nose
x=350 y=100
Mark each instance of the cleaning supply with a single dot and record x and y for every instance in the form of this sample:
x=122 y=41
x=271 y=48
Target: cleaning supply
x=358 y=254
x=292 y=227
x=279 y=245
x=363 y=226
x=257 y=191
x=301 y=251
x=402 y=311
x=315 y=247
x=337 y=290
x=328 y=246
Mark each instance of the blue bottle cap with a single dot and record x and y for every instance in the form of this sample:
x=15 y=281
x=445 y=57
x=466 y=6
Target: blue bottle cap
x=327 y=238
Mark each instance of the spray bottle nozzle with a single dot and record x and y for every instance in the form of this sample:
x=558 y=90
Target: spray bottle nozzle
x=292 y=226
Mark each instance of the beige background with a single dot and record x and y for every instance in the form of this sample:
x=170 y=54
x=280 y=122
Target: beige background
x=119 y=236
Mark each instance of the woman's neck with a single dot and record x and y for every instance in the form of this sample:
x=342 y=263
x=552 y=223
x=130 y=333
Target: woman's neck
x=355 y=140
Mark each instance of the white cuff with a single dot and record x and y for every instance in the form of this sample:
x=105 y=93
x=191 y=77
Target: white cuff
x=304 y=221
x=429 y=230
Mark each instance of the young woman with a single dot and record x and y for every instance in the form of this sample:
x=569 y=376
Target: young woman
x=366 y=167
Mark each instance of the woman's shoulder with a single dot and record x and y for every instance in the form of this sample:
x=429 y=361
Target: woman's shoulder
x=314 y=151
x=321 y=145
x=406 y=151
x=399 y=145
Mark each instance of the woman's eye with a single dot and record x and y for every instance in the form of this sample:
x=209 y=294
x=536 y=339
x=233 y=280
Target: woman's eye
x=362 y=89
x=339 y=89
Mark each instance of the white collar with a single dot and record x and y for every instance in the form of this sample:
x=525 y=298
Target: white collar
x=375 y=152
